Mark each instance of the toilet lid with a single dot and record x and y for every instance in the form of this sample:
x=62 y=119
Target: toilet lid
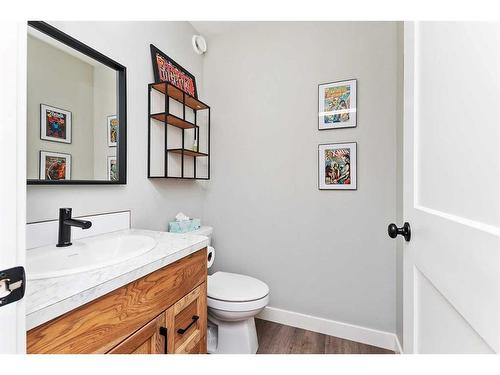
x=233 y=287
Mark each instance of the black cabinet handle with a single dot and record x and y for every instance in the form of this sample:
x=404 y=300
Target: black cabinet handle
x=183 y=330
x=164 y=333
x=404 y=231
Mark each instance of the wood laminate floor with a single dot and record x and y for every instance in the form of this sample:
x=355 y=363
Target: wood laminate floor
x=275 y=338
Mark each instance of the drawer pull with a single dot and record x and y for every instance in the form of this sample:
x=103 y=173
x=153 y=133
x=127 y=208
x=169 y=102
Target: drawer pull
x=164 y=333
x=182 y=331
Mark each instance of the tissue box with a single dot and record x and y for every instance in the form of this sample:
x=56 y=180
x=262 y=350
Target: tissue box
x=184 y=226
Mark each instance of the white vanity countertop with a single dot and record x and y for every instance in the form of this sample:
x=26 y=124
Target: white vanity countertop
x=49 y=298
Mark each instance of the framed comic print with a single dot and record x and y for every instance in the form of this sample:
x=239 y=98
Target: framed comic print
x=337 y=166
x=112 y=169
x=55 y=124
x=166 y=69
x=112 y=131
x=337 y=105
x=55 y=166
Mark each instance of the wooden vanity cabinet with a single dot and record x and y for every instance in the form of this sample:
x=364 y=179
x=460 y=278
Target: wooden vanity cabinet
x=147 y=340
x=183 y=326
x=161 y=313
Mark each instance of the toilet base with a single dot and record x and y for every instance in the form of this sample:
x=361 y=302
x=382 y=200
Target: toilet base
x=238 y=337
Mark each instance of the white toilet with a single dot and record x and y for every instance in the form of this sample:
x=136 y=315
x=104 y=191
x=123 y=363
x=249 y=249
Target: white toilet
x=233 y=301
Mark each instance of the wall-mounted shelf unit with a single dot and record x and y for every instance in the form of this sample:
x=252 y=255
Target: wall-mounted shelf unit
x=176 y=123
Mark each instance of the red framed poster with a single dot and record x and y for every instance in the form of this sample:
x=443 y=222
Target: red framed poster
x=166 y=69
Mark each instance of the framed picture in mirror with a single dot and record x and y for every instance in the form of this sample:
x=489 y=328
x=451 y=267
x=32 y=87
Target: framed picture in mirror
x=55 y=124
x=55 y=166
x=112 y=171
x=112 y=131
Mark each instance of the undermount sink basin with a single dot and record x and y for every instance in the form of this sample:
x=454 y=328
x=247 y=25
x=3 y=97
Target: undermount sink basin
x=85 y=255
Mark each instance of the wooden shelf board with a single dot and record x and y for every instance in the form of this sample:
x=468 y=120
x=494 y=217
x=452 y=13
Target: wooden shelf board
x=177 y=94
x=186 y=152
x=173 y=120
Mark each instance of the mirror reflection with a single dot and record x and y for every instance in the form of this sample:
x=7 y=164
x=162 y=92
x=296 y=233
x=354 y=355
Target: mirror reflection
x=72 y=123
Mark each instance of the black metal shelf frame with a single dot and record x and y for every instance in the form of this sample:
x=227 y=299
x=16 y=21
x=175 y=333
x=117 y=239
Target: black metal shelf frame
x=190 y=125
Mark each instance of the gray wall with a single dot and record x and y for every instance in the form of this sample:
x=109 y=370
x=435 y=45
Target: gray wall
x=152 y=203
x=323 y=253
x=66 y=85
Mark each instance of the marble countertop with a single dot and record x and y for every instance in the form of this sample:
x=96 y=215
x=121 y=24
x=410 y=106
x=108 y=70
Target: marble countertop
x=49 y=298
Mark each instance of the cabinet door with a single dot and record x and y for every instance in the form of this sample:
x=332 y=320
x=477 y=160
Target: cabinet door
x=188 y=319
x=147 y=340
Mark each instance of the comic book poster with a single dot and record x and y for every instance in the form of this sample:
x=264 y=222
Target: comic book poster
x=337 y=166
x=55 y=166
x=112 y=169
x=167 y=70
x=337 y=105
x=112 y=131
x=55 y=124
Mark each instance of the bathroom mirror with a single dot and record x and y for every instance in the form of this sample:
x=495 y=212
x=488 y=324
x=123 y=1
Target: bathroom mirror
x=76 y=111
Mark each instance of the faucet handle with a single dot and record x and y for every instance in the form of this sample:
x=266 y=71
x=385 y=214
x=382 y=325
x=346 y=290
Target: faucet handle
x=65 y=213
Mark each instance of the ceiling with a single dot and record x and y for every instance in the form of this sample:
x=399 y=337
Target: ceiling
x=211 y=28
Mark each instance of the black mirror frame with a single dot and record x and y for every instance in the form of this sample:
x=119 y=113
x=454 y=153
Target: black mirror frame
x=122 y=105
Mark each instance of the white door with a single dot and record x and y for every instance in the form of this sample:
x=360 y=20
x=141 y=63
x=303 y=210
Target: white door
x=13 y=175
x=452 y=187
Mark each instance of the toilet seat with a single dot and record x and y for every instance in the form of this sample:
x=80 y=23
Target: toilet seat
x=234 y=292
x=237 y=306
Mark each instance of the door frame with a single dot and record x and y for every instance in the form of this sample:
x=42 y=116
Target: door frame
x=13 y=92
x=408 y=121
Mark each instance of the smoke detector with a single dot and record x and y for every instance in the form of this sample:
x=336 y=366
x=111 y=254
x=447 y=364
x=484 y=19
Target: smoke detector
x=199 y=44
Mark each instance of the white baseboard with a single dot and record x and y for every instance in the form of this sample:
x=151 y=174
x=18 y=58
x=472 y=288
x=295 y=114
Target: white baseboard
x=382 y=339
x=399 y=347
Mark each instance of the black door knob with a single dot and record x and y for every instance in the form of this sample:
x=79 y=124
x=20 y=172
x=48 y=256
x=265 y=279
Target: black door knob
x=404 y=231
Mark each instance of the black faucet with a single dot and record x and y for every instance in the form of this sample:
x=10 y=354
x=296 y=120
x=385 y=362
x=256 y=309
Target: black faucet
x=65 y=224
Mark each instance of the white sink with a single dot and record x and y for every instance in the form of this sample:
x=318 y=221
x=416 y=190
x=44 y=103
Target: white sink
x=85 y=255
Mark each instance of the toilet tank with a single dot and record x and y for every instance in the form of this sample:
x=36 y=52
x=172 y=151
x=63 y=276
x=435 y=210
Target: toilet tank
x=204 y=231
